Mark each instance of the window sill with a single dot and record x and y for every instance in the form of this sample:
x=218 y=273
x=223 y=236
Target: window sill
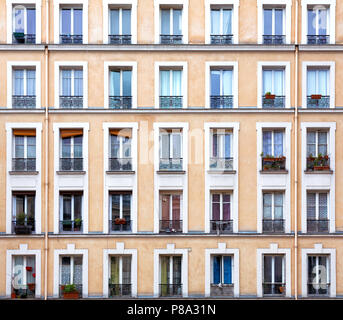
x=319 y=172
x=171 y=172
x=120 y=172
x=70 y=172
x=23 y=173
x=273 y=171
x=222 y=171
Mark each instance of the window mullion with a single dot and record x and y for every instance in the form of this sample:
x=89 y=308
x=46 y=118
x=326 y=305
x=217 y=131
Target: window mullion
x=171 y=258
x=171 y=14
x=120 y=21
x=120 y=269
x=273 y=21
x=221 y=204
x=24 y=270
x=221 y=21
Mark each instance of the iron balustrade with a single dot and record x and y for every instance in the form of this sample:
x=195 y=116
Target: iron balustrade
x=119 y=225
x=119 y=39
x=221 y=38
x=318 y=39
x=318 y=225
x=318 y=289
x=167 y=102
x=19 y=37
x=276 y=102
x=318 y=163
x=273 y=225
x=23 y=101
x=23 y=291
x=71 y=164
x=221 y=102
x=24 y=164
x=171 y=164
x=273 y=39
x=273 y=163
x=171 y=38
x=170 y=290
x=71 y=38
x=221 y=226
x=23 y=228
x=274 y=288
x=171 y=226
x=119 y=290
x=71 y=226
x=221 y=163
x=322 y=102
x=222 y=289
x=71 y=102
x=78 y=288
x=120 y=164
x=120 y=102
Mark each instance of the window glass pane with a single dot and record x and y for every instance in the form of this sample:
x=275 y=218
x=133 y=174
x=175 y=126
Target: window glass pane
x=31 y=21
x=279 y=82
x=19 y=20
x=267 y=142
x=66 y=21
x=227 y=150
x=267 y=81
x=227 y=18
x=267 y=205
x=19 y=147
x=165 y=206
x=165 y=146
x=177 y=22
x=227 y=209
x=322 y=23
x=323 y=82
x=227 y=82
x=177 y=79
x=278 y=21
x=215 y=22
x=66 y=82
x=19 y=205
x=31 y=82
x=66 y=150
x=311 y=205
x=77 y=270
x=66 y=207
x=65 y=270
x=126 y=22
x=267 y=268
x=322 y=143
x=115 y=206
x=78 y=147
x=165 y=83
x=311 y=22
x=165 y=270
x=227 y=270
x=127 y=148
x=278 y=269
x=31 y=206
x=115 y=270
x=268 y=23
x=126 y=269
x=126 y=206
x=19 y=82
x=114 y=83
x=176 y=145
x=165 y=22
x=215 y=82
x=126 y=83
x=216 y=269
x=115 y=146
x=78 y=21
x=311 y=143
x=176 y=208
x=77 y=207
x=78 y=82
x=30 y=262
x=215 y=207
x=311 y=82
x=323 y=206
x=177 y=270
x=215 y=145
x=278 y=205
x=278 y=143
x=114 y=20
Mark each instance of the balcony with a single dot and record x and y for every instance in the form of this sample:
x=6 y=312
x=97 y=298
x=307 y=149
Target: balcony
x=221 y=290
x=21 y=227
x=119 y=290
x=23 y=102
x=71 y=164
x=274 y=164
x=71 y=39
x=221 y=226
x=221 y=164
x=71 y=102
x=170 y=226
x=221 y=39
x=318 y=101
x=70 y=291
x=119 y=39
x=173 y=102
x=317 y=225
x=221 y=102
x=22 y=38
x=320 y=163
x=71 y=226
x=171 y=164
x=273 y=101
x=273 y=225
x=274 y=288
x=120 y=102
x=274 y=39
x=24 y=164
x=171 y=290
x=320 y=289
x=318 y=39
x=171 y=39
x=119 y=225
x=23 y=291
x=120 y=164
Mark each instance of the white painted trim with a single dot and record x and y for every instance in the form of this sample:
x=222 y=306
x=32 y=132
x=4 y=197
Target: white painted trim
x=318 y=250
x=331 y=66
x=56 y=21
x=10 y=65
x=57 y=69
x=273 y=249
x=157 y=17
x=224 y=64
x=235 y=18
x=71 y=251
x=120 y=250
x=9 y=17
x=235 y=273
x=170 y=250
x=133 y=65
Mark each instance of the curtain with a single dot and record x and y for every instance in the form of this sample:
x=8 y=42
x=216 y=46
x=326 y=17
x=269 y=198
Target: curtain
x=216 y=269
x=268 y=22
x=66 y=21
x=176 y=206
x=115 y=270
x=19 y=146
x=30 y=262
x=323 y=82
x=18 y=273
x=165 y=145
x=267 y=142
x=114 y=83
x=215 y=83
x=19 y=20
x=227 y=21
x=165 y=199
x=77 y=21
x=126 y=82
x=164 y=273
x=165 y=83
x=278 y=205
x=31 y=21
x=114 y=22
x=31 y=82
x=311 y=82
x=227 y=82
x=267 y=205
x=126 y=270
x=322 y=25
x=215 y=206
x=267 y=81
x=311 y=143
x=278 y=143
x=77 y=276
x=65 y=271
x=66 y=82
x=176 y=145
x=278 y=82
x=226 y=207
x=322 y=143
x=126 y=21
x=78 y=82
x=165 y=22
x=323 y=206
x=311 y=22
x=177 y=79
x=227 y=270
x=227 y=148
x=278 y=21
x=311 y=206
x=19 y=82
x=215 y=22
x=177 y=22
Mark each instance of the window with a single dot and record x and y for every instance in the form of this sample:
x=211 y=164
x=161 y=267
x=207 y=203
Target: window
x=273 y=88
x=71 y=25
x=273 y=275
x=24 y=24
x=23 y=284
x=170 y=276
x=171 y=88
x=71 y=211
x=120 y=211
x=71 y=273
x=71 y=88
x=120 y=158
x=23 y=212
x=221 y=149
x=273 y=25
x=24 y=150
x=221 y=220
x=71 y=150
x=171 y=149
x=318 y=274
x=120 y=95
x=221 y=281
x=221 y=88
x=221 y=25
x=120 y=276
x=170 y=212
x=119 y=26
x=318 y=88
x=171 y=25
x=317 y=150
x=318 y=20
x=273 y=219
x=273 y=150
x=24 y=88
x=317 y=212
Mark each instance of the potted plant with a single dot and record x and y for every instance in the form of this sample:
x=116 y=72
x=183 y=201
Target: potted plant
x=316 y=96
x=123 y=221
x=268 y=95
x=70 y=291
x=21 y=227
x=31 y=286
x=19 y=36
x=281 y=289
x=77 y=224
x=28 y=268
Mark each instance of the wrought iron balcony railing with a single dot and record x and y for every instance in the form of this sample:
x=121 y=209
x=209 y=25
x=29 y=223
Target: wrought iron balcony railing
x=23 y=291
x=23 y=228
x=273 y=39
x=320 y=289
x=274 y=288
x=71 y=226
x=221 y=163
x=318 y=225
x=173 y=102
x=24 y=164
x=221 y=102
x=222 y=290
x=221 y=226
x=23 y=102
x=170 y=290
x=171 y=164
x=119 y=290
x=120 y=164
x=274 y=102
x=119 y=39
x=320 y=163
x=273 y=163
x=71 y=102
x=19 y=37
x=171 y=226
x=71 y=164
x=171 y=38
x=120 y=102
x=318 y=101
x=66 y=295
x=273 y=225
x=221 y=38
x=318 y=39
x=119 y=224
x=71 y=38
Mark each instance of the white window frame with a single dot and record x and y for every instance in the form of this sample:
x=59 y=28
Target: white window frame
x=171 y=143
x=71 y=267
x=317 y=141
x=221 y=145
x=317 y=192
x=170 y=195
x=25 y=147
x=273 y=192
x=273 y=267
x=272 y=130
x=72 y=25
x=14 y=203
x=24 y=79
x=120 y=205
x=72 y=77
x=72 y=207
x=71 y=147
x=221 y=202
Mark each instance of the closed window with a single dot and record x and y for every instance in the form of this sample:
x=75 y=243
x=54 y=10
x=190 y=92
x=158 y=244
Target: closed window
x=170 y=212
x=71 y=25
x=317 y=212
x=171 y=88
x=23 y=283
x=171 y=26
x=24 y=150
x=171 y=149
x=273 y=88
x=71 y=273
x=23 y=204
x=24 y=24
x=318 y=19
x=170 y=276
x=221 y=88
x=273 y=275
x=24 y=88
x=273 y=25
x=273 y=143
x=120 y=95
x=221 y=149
x=221 y=25
x=71 y=150
x=71 y=211
x=120 y=276
x=120 y=26
x=120 y=157
x=120 y=211
x=318 y=274
x=273 y=219
x=71 y=88
x=222 y=269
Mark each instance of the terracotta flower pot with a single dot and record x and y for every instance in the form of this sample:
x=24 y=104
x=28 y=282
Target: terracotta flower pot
x=316 y=96
x=70 y=295
x=270 y=96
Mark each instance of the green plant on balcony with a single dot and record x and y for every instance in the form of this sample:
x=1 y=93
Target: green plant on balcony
x=21 y=224
x=268 y=95
x=69 y=291
x=318 y=163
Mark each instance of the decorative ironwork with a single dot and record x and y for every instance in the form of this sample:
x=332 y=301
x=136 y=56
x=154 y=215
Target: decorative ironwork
x=119 y=225
x=171 y=38
x=318 y=101
x=320 y=289
x=270 y=163
x=167 y=102
x=221 y=38
x=24 y=164
x=221 y=102
x=120 y=102
x=319 y=163
x=70 y=102
x=25 y=102
x=71 y=225
x=318 y=39
x=119 y=290
x=71 y=38
x=71 y=164
x=23 y=228
x=275 y=102
x=170 y=164
x=119 y=39
x=274 y=288
x=318 y=226
x=221 y=163
x=222 y=290
x=221 y=226
x=273 y=39
x=24 y=291
x=19 y=37
x=120 y=164
x=76 y=294
x=171 y=226
x=273 y=225
x=170 y=290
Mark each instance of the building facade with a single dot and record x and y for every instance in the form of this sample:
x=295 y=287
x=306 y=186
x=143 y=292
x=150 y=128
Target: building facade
x=171 y=148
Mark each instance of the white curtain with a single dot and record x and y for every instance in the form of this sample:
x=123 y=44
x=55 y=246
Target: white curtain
x=267 y=81
x=66 y=82
x=31 y=82
x=215 y=22
x=267 y=205
x=278 y=206
x=78 y=82
x=165 y=83
x=177 y=76
x=176 y=145
x=278 y=143
x=115 y=83
x=279 y=82
x=227 y=82
x=323 y=82
x=227 y=18
x=19 y=82
x=164 y=146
